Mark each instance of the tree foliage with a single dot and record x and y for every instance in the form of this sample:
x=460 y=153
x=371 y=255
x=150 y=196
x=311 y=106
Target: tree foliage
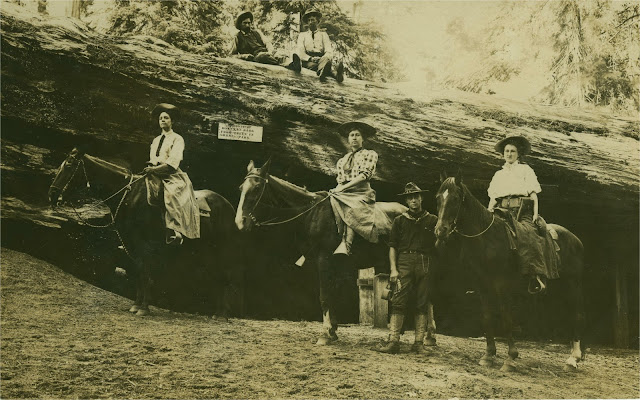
x=206 y=26
x=593 y=58
x=193 y=26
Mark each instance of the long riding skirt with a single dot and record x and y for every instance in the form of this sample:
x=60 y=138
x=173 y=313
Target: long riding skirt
x=182 y=212
x=356 y=208
x=536 y=253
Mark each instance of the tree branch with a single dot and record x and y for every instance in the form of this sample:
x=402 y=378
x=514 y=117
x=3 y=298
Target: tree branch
x=623 y=22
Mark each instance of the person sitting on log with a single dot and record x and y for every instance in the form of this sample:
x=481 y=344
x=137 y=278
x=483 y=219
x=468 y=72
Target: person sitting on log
x=250 y=45
x=515 y=188
x=411 y=248
x=182 y=216
x=315 y=49
x=353 y=199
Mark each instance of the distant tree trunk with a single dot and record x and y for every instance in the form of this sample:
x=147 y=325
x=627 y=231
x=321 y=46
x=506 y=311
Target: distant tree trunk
x=42 y=7
x=577 y=53
x=357 y=6
x=76 y=6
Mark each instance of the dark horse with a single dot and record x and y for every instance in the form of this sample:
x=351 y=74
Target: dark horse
x=309 y=224
x=485 y=249
x=207 y=262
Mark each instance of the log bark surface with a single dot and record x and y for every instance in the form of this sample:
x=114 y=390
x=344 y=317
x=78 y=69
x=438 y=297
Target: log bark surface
x=63 y=84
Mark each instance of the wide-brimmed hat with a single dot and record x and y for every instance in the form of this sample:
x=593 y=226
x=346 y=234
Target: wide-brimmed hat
x=243 y=15
x=365 y=129
x=411 y=188
x=309 y=13
x=170 y=109
x=521 y=143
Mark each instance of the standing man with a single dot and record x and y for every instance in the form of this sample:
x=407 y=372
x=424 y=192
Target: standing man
x=250 y=45
x=315 y=49
x=411 y=245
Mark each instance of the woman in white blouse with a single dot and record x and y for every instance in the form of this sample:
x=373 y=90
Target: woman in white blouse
x=182 y=217
x=515 y=187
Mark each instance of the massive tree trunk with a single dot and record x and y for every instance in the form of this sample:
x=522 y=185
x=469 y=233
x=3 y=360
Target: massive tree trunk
x=63 y=85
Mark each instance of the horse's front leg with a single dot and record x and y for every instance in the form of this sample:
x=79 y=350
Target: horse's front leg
x=489 y=357
x=326 y=278
x=430 y=339
x=576 y=308
x=509 y=364
x=139 y=293
x=145 y=283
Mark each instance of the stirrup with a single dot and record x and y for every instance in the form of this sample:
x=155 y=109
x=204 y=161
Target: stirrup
x=342 y=249
x=541 y=287
x=175 y=240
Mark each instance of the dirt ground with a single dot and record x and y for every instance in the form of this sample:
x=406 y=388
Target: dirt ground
x=63 y=338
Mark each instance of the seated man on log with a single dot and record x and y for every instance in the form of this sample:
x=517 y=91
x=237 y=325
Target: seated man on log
x=250 y=45
x=315 y=49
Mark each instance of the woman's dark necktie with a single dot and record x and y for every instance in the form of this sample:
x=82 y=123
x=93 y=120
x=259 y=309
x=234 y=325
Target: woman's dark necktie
x=348 y=165
x=160 y=145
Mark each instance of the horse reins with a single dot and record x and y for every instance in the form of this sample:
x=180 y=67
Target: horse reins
x=126 y=189
x=455 y=221
x=269 y=223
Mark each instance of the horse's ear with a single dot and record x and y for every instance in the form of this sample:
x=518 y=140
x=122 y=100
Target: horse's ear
x=443 y=176
x=251 y=166
x=265 y=167
x=458 y=177
x=78 y=151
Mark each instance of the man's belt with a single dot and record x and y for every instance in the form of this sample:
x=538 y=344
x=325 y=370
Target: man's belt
x=315 y=53
x=513 y=202
x=424 y=253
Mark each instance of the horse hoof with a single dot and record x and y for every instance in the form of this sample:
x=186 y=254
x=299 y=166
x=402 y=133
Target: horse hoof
x=430 y=342
x=571 y=364
x=325 y=340
x=508 y=366
x=486 y=361
x=134 y=308
x=142 y=312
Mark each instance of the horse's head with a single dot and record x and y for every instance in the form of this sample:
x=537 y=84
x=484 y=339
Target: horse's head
x=64 y=176
x=450 y=197
x=251 y=192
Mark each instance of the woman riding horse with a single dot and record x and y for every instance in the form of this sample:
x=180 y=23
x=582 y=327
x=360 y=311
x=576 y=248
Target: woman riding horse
x=353 y=198
x=182 y=217
x=515 y=187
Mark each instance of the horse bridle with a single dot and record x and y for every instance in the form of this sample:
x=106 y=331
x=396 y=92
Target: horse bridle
x=62 y=190
x=126 y=189
x=270 y=222
x=455 y=221
x=264 y=186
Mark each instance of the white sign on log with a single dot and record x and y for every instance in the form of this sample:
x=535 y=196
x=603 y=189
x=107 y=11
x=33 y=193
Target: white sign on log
x=245 y=133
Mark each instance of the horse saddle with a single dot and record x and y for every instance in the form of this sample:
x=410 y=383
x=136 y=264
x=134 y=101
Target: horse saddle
x=541 y=225
x=155 y=195
x=203 y=206
x=510 y=226
x=544 y=229
x=155 y=190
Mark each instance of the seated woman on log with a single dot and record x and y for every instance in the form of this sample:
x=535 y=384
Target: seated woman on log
x=182 y=217
x=515 y=187
x=353 y=198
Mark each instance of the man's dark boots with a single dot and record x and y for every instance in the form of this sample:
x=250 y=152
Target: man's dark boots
x=393 y=344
